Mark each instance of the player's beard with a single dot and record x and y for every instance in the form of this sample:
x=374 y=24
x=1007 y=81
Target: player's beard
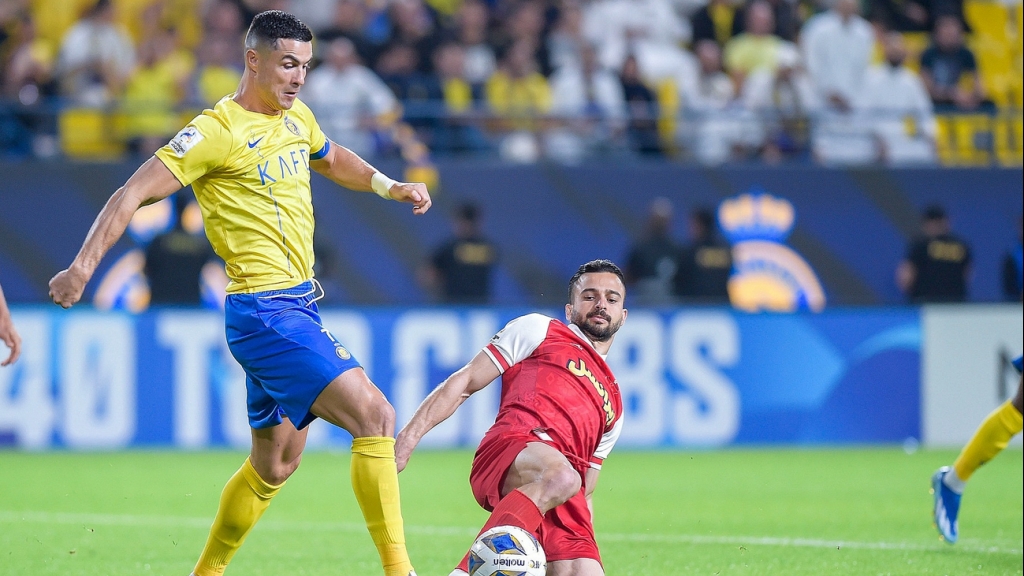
x=594 y=332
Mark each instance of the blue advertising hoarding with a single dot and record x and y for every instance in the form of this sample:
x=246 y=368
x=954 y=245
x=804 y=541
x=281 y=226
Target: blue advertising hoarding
x=690 y=377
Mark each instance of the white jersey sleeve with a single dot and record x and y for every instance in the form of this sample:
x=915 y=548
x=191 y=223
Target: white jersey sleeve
x=517 y=340
x=608 y=441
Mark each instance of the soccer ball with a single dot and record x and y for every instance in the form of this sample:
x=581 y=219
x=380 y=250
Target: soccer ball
x=507 y=551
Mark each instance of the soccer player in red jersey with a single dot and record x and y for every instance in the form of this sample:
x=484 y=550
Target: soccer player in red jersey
x=559 y=417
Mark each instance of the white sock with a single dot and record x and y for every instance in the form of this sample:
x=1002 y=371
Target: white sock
x=953 y=482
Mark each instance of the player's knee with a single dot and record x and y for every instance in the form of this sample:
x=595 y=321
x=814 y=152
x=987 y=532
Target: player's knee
x=561 y=484
x=379 y=418
x=278 y=472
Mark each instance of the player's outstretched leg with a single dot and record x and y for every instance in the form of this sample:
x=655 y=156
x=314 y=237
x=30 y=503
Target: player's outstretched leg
x=946 y=506
x=539 y=479
x=989 y=439
x=276 y=452
x=352 y=402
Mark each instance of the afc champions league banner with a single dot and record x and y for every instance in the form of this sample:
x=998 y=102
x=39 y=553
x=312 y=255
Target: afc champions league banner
x=690 y=377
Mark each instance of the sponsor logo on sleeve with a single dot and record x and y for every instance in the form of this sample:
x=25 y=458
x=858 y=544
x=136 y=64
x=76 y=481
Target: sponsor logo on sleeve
x=185 y=140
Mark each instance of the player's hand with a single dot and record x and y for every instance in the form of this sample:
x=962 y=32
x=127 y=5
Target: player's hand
x=66 y=287
x=414 y=193
x=403 y=450
x=10 y=337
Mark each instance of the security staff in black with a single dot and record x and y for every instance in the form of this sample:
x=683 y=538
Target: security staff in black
x=938 y=264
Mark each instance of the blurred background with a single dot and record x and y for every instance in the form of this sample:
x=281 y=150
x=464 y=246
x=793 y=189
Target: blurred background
x=817 y=205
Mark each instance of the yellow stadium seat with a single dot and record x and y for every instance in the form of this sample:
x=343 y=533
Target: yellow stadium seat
x=89 y=134
x=943 y=141
x=970 y=130
x=669 y=104
x=1008 y=139
x=988 y=18
x=916 y=43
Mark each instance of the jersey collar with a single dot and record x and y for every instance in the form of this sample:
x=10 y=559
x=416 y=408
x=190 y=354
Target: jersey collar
x=585 y=338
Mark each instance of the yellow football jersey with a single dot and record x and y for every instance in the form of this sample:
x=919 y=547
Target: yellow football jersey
x=250 y=173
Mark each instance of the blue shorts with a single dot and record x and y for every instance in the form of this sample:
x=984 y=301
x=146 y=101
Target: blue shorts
x=288 y=356
x=1018 y=363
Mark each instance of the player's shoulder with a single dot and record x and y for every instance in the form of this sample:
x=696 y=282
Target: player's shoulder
x=533 y=323
x=301 y=110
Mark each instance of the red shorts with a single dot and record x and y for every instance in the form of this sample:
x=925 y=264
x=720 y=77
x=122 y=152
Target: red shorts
x=567 y=531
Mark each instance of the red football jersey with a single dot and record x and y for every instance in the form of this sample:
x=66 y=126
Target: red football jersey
x=557 y=387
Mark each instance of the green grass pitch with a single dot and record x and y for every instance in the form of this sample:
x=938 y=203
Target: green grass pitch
x=729 y=512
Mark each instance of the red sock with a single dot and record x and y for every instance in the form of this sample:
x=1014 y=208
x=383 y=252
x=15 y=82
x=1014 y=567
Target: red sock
x=515 y=509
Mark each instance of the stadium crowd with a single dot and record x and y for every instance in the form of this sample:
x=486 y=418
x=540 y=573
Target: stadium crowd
x=833 y=81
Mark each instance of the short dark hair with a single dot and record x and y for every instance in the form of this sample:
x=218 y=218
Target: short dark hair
x=273 y=25
x=592 y=267
x=705 y=218
x=933 y=212
x=467 y=211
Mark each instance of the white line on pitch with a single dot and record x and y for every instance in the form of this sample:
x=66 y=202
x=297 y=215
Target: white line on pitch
x=13 y=517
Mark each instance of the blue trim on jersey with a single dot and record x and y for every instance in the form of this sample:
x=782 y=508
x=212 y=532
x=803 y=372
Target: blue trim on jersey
x=322 y=152
x=1017 y=363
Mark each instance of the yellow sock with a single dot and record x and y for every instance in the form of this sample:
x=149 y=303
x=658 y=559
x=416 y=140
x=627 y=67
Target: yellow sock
x=244 y=499
x=991 y=437
x=375 y=483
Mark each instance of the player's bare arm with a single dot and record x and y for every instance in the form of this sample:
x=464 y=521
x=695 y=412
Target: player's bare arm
x=346 y=168
x=590 y=484
x=442 y=403
x=150 y=183
x=8 y=335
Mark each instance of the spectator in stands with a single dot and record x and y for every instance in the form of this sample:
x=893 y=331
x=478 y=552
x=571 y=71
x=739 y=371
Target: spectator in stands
x=715 y=123
x=175 y=260
x=653 y=261
x=317 y=14
x=26 y=126
x=154 y=91
x=894 y=94
x=567 y=35
x=642 y=106
x=836 y=46
x=900 y=15
x=96 y=58
x=938 y=263
x=413 y=26
x=718 y=21
x=459 y=130
x=352 y=103
x=757 y=48
x=783 y=100
x=705 y=265
x=217 y=73
x=460 y=269
x=588 y=109
x=224 y=18
x=526 y=23
x=648 y=29
x=350 y=20
x=521 y=98
x=471 y=30
x=1013 y=267
x=418 y=91
x=949 y=69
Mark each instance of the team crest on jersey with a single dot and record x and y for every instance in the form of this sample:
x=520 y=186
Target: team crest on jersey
x=184 y=141
x=342 y=352
x=579 y=368
x=291 y=126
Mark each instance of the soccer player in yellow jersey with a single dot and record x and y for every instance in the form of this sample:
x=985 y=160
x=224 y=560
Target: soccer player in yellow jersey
x=249 y=162
x=990 y=438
